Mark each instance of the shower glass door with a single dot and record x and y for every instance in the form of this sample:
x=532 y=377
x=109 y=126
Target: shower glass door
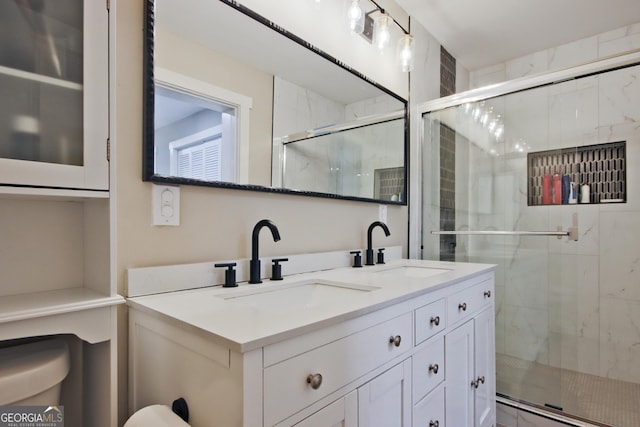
x=477 y=176
x=567 y=307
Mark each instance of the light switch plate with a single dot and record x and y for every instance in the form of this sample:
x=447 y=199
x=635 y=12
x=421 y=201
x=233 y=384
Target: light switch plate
x=165 y=205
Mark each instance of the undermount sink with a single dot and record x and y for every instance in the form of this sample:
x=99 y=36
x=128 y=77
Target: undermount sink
x=297 y=295
x=415 y=271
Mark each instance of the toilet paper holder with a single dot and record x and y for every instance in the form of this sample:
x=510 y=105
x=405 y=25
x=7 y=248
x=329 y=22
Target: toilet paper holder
x=181 y=409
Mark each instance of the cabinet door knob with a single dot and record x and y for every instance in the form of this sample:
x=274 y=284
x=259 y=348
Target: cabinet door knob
x=487 y=294
x=434 y=368
x=435 y=320
x=395 y=340
x=314 y=380
x=462 y=306
x=477 y=382
x=435 y=423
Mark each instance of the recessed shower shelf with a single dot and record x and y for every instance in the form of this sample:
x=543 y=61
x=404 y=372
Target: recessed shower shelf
x=602 y=167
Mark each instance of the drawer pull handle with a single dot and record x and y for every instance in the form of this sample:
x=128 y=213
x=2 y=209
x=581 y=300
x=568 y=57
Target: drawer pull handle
x=435 y=320
x=434 y=423
x=434 y=368
x=462 y=306
x=314 y=380
x=395 y=340
x=487 y=294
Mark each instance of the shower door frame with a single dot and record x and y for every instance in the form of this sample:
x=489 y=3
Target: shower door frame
x=481 y=94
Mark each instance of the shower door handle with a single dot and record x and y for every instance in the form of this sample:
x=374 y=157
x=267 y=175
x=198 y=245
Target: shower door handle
x=572 y=233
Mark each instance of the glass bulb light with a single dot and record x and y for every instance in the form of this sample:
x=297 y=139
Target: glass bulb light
x=356 y=17
x=381 y=32
x=405 y=53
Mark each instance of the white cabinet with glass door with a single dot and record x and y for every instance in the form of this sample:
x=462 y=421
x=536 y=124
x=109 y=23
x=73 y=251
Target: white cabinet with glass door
x=54 y=90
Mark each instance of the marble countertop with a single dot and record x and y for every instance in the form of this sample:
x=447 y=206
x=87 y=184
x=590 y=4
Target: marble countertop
x=252 y=316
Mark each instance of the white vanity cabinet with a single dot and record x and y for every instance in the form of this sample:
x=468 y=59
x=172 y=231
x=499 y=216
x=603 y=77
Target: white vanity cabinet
x=296 y=383
x=341 y=413
x=386 y=367
x=384 y=401
x=54 y=84
x=470 y=358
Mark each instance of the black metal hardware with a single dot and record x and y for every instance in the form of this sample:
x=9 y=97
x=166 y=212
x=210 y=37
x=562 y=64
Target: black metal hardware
x=229 y=275
x=276 y=268
x=357 y=259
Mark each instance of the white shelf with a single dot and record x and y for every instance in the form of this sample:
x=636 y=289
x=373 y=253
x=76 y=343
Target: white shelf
x=39 y=304
x=82 y=312
x=53 y=193
x=39 y=78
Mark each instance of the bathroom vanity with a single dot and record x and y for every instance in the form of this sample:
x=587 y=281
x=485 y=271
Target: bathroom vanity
x=404 y=343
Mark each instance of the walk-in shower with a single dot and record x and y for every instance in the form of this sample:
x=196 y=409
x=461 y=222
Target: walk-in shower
x=492 y=163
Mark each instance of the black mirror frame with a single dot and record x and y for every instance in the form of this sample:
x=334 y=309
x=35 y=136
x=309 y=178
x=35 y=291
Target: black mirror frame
x=148 y=169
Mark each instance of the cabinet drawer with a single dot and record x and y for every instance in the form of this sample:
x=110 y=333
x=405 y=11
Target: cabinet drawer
x=468 y=302
x=430 y=320
x=429 y=412
x=288 y=384
x=428 y=368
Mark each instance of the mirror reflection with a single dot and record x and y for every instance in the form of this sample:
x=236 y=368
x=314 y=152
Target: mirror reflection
x=233 y=102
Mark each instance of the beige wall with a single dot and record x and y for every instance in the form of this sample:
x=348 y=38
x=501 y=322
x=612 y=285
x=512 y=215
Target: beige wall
x=215 y=223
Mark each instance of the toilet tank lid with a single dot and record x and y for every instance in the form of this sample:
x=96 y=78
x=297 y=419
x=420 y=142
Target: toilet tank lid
x=28 y=369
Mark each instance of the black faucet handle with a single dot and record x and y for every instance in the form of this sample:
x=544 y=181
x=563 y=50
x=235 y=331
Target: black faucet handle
x=381 y=256
x=357 y=258
x=229 y=275
x=276 y=268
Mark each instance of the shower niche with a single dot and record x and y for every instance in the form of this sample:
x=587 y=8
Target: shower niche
x=602 y=167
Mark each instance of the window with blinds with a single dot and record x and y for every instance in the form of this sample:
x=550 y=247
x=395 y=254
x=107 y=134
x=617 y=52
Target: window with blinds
x=201 y=161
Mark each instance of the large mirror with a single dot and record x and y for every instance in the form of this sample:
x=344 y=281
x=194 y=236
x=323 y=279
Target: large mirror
x=232 y=100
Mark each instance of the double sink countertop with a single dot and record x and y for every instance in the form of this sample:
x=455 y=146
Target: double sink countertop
x=254 y=315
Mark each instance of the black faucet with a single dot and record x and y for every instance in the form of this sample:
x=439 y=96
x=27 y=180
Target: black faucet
x=369 y=253
x=254 y=264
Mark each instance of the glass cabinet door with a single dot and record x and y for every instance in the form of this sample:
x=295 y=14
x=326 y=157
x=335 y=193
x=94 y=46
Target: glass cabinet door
x=54 y=93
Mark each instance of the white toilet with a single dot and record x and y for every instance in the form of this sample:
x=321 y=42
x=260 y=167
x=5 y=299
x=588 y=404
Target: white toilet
x=155 y=416
x=31 y=374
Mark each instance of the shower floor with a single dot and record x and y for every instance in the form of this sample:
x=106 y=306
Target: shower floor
x=595 y=398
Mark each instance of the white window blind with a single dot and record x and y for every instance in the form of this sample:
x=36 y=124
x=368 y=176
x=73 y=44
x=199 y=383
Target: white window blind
x=201 y=161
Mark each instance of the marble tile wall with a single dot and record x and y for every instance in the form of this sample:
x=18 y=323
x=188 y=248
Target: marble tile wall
x=613 y=42
x=574 y=305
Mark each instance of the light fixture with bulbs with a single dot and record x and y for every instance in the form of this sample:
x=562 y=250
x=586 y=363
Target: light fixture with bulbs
x=355 y=15
x=405 y=52
x=378 y=30
x=381 y=31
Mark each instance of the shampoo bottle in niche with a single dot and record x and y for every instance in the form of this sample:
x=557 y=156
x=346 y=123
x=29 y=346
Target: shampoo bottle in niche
x=566 y=189
x=584 y=193
x=573 y=193
x=546 y=189
x=556 y=191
